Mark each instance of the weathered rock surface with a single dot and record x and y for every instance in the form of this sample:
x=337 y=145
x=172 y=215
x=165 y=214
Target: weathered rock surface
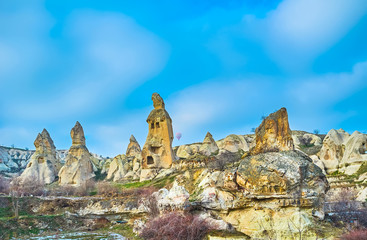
x=44 y=164
x=270 y=189
x=78 y=167
x=355 y=153
x=274 y=134
x=157 y=151
x=332 y=150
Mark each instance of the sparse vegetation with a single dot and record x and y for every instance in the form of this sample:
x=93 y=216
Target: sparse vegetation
x=176 y=226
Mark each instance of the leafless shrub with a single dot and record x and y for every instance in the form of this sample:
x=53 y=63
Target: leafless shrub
x=152 y=204
x=305 y=141
x=85 y=188
x=176 y=226
x=346 y=210
x=355 y=235
x=107 y=189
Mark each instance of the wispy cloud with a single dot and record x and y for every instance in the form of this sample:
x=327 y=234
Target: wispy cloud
x=297 y=31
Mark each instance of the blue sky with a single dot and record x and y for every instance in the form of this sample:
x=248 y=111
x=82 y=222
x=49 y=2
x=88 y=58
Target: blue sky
x=219 y=65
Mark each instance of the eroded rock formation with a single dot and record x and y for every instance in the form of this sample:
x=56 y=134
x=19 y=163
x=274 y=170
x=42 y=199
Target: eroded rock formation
x=78 y=166
x=274 y=134
x=44 y=164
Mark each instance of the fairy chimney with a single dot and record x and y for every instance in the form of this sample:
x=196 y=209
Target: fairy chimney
x=157 y=151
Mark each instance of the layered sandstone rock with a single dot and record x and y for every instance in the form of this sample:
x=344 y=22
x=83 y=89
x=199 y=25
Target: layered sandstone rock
x=44 y=164
x=209 y=146
x=78 y=166
x=332 y=150
x=274 y=134
x=355 y=153
x=157 y=152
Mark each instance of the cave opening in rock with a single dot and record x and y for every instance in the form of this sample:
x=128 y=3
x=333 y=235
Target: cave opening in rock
x=157 y=124
x=150 y=160
x=152 y=125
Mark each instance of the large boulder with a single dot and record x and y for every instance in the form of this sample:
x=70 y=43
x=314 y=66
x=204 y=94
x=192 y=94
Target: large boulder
x=332 y=150
x=274 y=134
x=44 y=164
x=78 y=168
x=355 y=153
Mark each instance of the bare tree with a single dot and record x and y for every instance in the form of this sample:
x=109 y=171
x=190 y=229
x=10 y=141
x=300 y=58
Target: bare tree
x=16 y=192
x=4 y=185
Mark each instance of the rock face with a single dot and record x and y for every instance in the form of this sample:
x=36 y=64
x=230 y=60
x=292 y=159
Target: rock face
x=332 y=150
x=209 y=145
x=78 y=166
x=274 y=134
x=44 y=164
x=157 y=151
x=355 y=153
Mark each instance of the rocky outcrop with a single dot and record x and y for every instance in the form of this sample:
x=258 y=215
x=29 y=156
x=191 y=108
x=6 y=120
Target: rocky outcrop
x=332 y=150
x=44 y=164
x=209 y=146
x=274 y=134
x=157 y=152
x=264 y=193
x=355 y=153
x=78 y=166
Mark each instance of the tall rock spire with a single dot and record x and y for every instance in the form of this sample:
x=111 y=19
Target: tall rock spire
x=78 y=166
x=157 y=151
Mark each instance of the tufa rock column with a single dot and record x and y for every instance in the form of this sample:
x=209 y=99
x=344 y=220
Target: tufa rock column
x=157 y=151
x=78 y=166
